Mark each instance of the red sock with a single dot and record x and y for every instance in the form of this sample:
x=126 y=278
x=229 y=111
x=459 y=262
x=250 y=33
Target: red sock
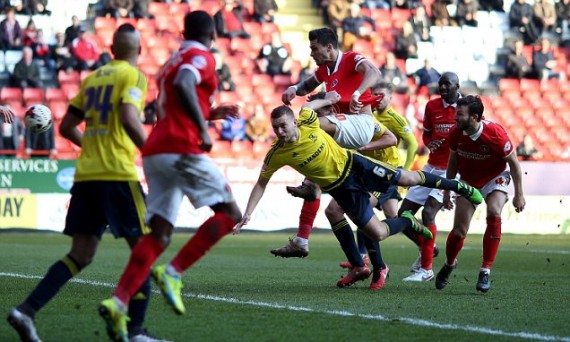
x=427 y=248
x=307 y=218
x=491 y=241
x=208 y=234
x=143 y=255
x=452 y=247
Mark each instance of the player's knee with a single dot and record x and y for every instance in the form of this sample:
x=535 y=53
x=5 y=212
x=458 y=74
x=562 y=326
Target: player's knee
x=428 y=214
x=460 y=231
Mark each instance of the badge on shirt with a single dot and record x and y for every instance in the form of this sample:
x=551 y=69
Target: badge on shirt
x=199 y=62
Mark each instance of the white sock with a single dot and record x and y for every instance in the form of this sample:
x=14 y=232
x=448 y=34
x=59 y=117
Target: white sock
x=171 y=271
x=486 y=270
x=120 y=305
x=300 y=241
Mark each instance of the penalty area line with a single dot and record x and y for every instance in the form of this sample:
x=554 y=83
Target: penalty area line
x=278 y=306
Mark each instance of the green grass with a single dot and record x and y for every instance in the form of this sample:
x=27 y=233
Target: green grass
x=240 y=292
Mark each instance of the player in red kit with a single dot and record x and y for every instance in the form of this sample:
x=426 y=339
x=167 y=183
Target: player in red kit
x=175 y=166
x=351 y=75
x=438 y=121
x=480 y=152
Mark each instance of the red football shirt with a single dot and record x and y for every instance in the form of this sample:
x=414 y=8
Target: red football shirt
x=345 y=80
x=439 y=118
x=481 y=156
x=174 y=131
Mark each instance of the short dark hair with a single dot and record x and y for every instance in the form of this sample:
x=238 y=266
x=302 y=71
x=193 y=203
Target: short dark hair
x=198 y=25
x=324 y=36
x=474 y=104
x=278 y=112
x=384 y=85
x=127 y=28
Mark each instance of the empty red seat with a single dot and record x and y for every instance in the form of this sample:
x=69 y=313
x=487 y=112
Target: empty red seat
x=11 y=94
x=70 y=90
x=52 y=94
x=58 y=108
x=221 y=149
x=509 y=84
x=105 y=23
x=68 y=77
x=33 y=95
x=242 y=149
x=158 y=8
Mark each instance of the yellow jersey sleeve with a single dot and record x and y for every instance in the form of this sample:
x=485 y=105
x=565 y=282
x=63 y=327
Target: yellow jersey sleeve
x=134 y=91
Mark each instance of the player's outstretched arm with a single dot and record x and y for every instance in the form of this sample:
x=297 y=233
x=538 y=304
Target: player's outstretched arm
x=302 y=88
x=411 y=143
x=519 y=201
x=331 y=97
x=254 y=198
x=386 y=140
x=224 y=110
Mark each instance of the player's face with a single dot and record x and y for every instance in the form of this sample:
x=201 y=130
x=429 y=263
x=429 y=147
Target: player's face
x=285 y=128
x=319 y=53
x=447 y=89
x=385 y=102
x=462 y=118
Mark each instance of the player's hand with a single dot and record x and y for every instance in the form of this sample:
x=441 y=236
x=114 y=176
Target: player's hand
x=224 y=110
x=435 y=144
x=244 y=220
x=332 y=96
x=447 y=202
x=519 y=202
x=355 y=105
x=289 y=95
x=6 y=114
x=205 y=142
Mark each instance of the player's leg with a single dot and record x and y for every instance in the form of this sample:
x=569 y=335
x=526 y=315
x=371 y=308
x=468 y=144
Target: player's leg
x=464 y=211
x=85 y=224
x=426 y=179
x=496 y=199
x=208 y=188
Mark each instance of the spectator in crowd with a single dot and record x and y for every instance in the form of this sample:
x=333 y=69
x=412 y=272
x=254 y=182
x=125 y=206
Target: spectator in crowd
x=526 y=149
x=521 y=19
x=374 y=4
x=440 y=14
x=26 y=72
x=427 y=76
x=357 y=26
x=258 y=127
x=233 y=129
x=10 y=31
x=29 y=33
x=140 y=9
x=517 y=64
x=467 y=12
x=35 y=7
x=72 y=32
x=274 y=58
x=119 y=8
x=405 y=4
x=225 y=82
x=85 y=51
x=19 y=7
x=308 y=70
x=42 y=51
x=229 y=20
x=391 y=73
x=543 y=62
x=40 y=144
x=10 y=135
x=545 y=16
x=61 y=54
x=562 y=15
x=491 y=5
x=421 y=24
x=264 y=10
x=406 y=44
x=337 y=10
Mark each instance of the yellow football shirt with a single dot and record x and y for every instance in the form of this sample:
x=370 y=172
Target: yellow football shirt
x=398 y=125
x=315 y=154
x=107 y=151
x=389 y=155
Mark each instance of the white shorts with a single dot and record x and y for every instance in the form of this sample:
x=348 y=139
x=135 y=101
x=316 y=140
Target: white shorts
x=499 y=183
x=171 y=176
x=353 y=130
x=419 y=194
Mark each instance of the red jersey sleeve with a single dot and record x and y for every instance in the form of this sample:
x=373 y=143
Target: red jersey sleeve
x=502 y=143
x=321 y=74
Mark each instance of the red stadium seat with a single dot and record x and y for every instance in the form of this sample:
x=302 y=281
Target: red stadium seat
x=52 y=94
x=67 y=77
x=179 y=8
x=146 y=26
x=529 y=84
x=58 y=108
x=70 y=90
x=33 y=95
x=221 y=149
x=105 y=23
x=11 y=94
x=105 y=36
x=509 y=84
x=158 y=8
x=121 y=21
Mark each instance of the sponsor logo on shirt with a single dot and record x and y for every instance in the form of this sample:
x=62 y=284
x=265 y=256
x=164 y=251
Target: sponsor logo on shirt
x=199 y=62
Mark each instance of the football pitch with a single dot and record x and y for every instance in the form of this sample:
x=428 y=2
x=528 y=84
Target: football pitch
x=240 y=292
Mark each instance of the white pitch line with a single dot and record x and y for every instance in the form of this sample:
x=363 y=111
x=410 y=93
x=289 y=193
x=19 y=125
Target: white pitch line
x=407 y=320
